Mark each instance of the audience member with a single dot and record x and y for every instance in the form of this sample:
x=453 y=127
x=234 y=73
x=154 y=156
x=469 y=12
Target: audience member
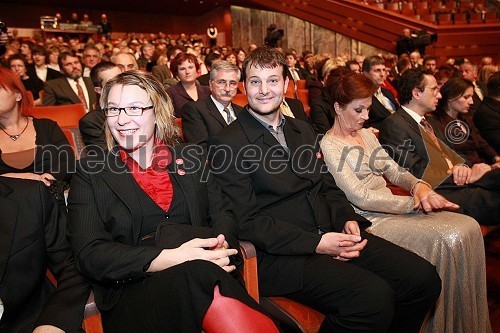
x=41 y=70
x=162 y=71
x=210 y=61
x=25 y=50
x=383 y=101
x=359 y=164
x=125 y=61
x=212 y=34
x=53 y=56
x=105 y=27
x=92 y=124
x=415 y=59
x=72 y=88
x=293 y=72
x=353 y=66
x=91 y=57
x=461 y=133
x=185 y=67
x=485 y=72
x=309 y=244
x=34 y=240
x=416 y=143
x=146 y=61
x=144 y=182
x=31 y=148
x=31 y=83
x=469 y=71
x=487 y=117
x=206 y=117
x=430 y=63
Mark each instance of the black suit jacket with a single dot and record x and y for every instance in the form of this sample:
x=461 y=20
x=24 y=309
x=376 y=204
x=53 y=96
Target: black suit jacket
x=412 y=148
x=105 y=218
x=475 y=97
x=201 y=120
x=92 y=129
x=32 y=239
x=378 y=112
x=180 y=97
x=322 y=116
x=280 y=200
x=51 y=73
x=59 y=92
x=297 y=109
x=487 y=120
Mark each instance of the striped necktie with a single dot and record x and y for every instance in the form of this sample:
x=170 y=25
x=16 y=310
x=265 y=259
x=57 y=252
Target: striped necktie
x=81 y=95
x=229 y=117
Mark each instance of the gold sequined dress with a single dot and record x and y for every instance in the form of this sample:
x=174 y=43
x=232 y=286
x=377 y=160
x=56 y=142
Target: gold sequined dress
x=450 y=241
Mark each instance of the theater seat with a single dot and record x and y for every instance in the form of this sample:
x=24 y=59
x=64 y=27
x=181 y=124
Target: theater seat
x=63 y=115
x=294 y=315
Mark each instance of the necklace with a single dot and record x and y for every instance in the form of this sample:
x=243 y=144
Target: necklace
x=16 y=136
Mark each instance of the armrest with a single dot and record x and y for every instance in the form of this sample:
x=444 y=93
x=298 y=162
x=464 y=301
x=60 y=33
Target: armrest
x=250 y=269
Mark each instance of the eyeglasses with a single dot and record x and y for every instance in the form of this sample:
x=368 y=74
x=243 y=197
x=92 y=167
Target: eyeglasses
x=133 y=111
x=221 y=84
x=434 y=90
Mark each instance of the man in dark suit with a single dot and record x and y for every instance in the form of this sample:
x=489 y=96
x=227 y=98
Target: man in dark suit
x=383 y=101
x=469 y=71
x=487 y=116
x=72 y=88
x=311 y=245
x=416 y=143
x=92 y=124
x=210 y=60
x=32 y=239
x=40 y=68
x=204 y=118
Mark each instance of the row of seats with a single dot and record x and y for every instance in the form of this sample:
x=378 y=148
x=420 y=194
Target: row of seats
x=439 y=13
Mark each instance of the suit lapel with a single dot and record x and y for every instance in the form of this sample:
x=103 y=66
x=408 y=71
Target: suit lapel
x=116 y=175
x=214 y=112
x=254 y=130
x=9 y=209
x=68 y=91
x=90 y=91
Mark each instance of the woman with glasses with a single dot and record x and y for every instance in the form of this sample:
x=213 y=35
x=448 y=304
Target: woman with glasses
x=151 y=229
x=417 y=222
x=185 y=67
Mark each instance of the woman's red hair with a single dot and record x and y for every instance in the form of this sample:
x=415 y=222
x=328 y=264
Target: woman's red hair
x=11 y=82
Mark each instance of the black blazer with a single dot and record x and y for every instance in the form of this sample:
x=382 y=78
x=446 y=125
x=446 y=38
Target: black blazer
x=59 y=92
x=32 y=239
x=297 y=109
x=201 y=120
x=105 y=218
x=413 y=149
x=487 y=120
x=180 y=97
x=92 y=129
x=322 y=113
x=378 y=112
x=279 y=200
x=51 y=73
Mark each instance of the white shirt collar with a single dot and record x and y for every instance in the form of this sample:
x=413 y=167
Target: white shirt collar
x=413 y=114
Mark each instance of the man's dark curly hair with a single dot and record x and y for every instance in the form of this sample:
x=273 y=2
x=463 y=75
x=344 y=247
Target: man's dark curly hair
x=411 y=79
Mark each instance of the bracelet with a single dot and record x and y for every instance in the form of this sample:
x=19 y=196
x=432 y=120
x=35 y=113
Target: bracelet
x=412 y=190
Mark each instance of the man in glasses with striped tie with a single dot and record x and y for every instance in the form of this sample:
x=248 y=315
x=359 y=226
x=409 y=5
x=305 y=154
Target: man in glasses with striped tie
x=206 y=117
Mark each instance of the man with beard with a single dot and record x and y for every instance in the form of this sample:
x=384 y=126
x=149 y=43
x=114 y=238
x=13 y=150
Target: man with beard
x=72 y=88
x=311 y=245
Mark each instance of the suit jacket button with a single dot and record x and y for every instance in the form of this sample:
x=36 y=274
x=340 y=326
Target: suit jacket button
x=308 y=192
x=167 y=216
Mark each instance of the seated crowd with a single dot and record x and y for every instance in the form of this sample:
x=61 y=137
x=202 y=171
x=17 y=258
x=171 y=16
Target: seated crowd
x=177 y=169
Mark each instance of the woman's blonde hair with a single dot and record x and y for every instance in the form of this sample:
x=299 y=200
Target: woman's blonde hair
x=166 y=129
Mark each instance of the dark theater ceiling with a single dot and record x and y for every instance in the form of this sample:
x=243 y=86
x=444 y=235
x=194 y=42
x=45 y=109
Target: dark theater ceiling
x=171 y=7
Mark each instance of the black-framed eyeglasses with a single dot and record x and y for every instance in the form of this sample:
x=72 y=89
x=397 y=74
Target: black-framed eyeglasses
x=133 y=111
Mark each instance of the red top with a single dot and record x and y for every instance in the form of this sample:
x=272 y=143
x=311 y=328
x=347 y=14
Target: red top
x=155 y=180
